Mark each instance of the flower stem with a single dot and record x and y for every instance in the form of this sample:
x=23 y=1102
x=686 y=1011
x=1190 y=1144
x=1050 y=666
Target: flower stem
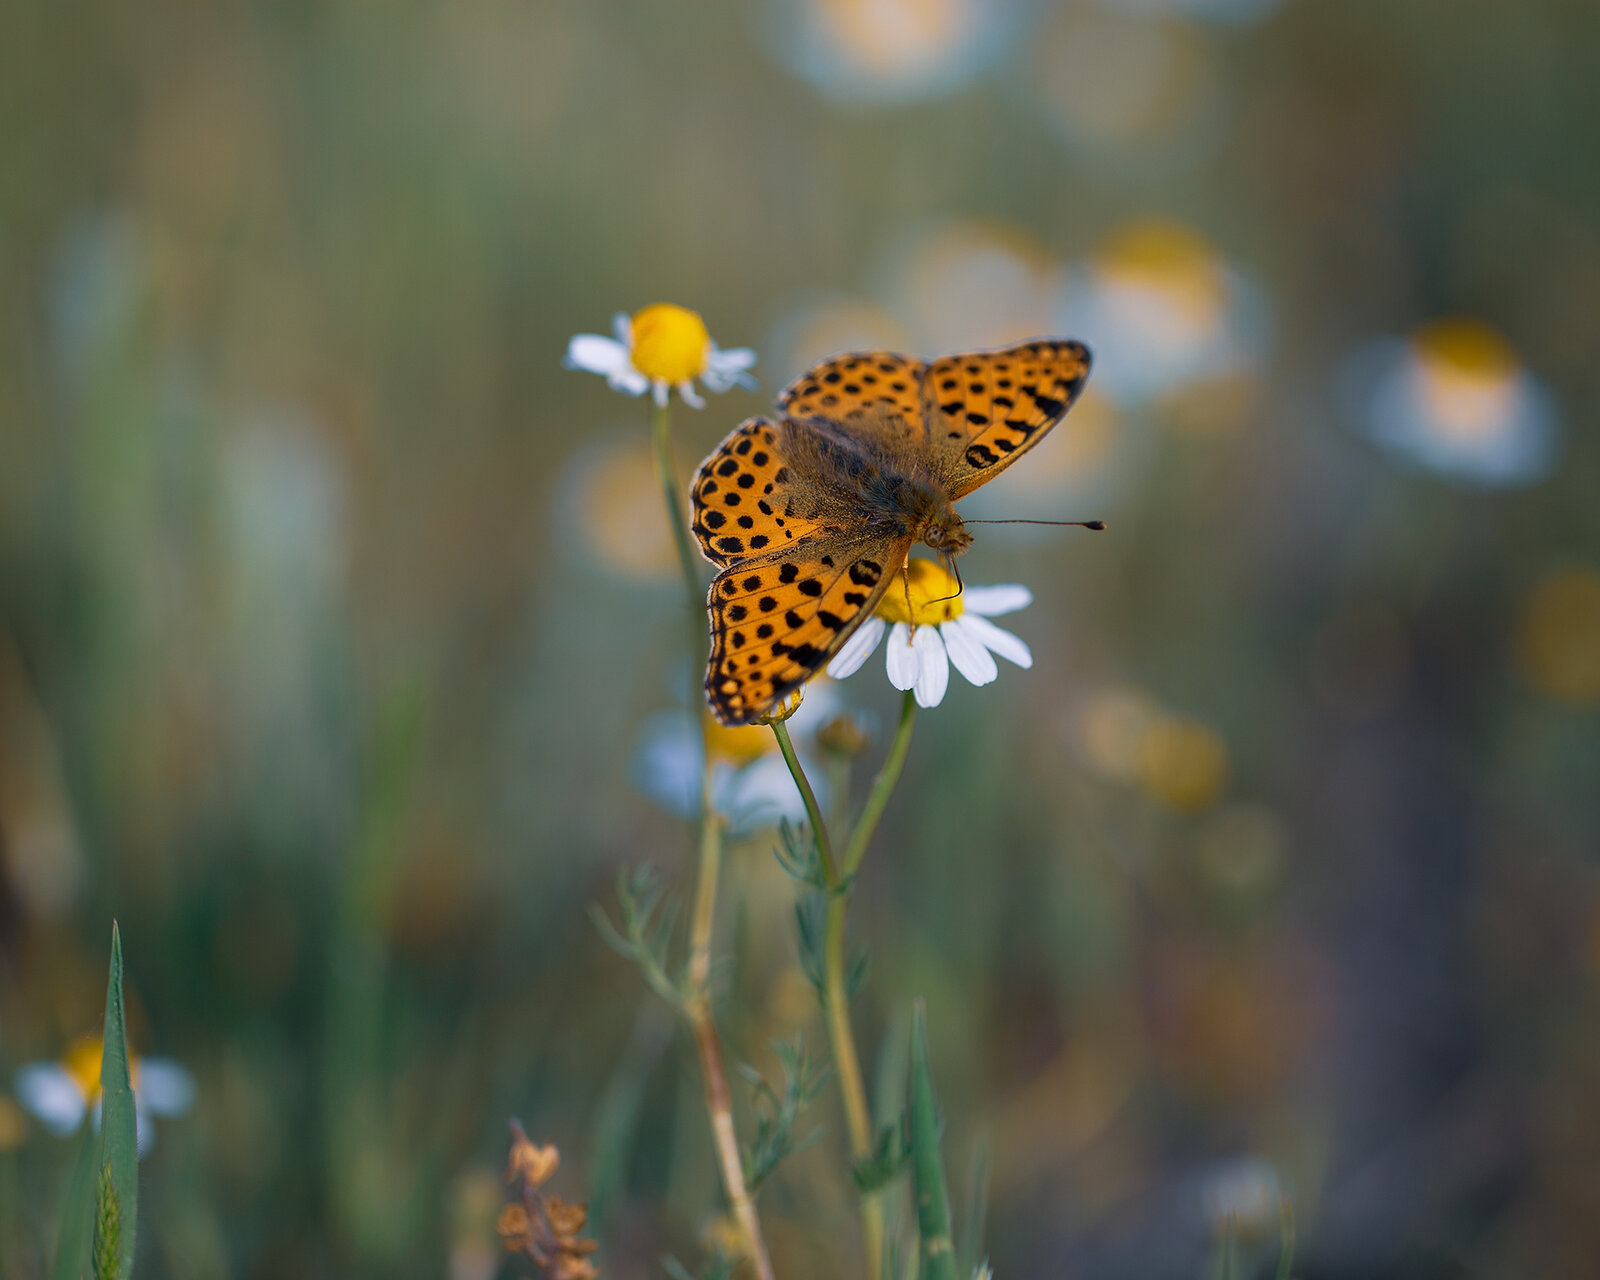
x=882 y=786
x=697 y=994
x=836 y=997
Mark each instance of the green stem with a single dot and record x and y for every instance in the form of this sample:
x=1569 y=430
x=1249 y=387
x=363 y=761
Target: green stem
x=882 y=786
x=836 y=1005
x=819 y=828
x=927 y=1162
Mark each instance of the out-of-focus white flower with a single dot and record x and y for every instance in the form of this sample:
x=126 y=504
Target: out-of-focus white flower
x=945 y=625
x=967 y=284
x=661 y=349
x=816 y=326
x=881 y=51
x=750 y=783
x=608 y=509
x=1242 y=1195
x=61 y=1093
x=1163 y=312
x=1454 y=398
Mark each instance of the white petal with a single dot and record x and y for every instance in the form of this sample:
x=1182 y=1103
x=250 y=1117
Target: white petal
x=902 y=658
x=967 y=652
x=622 y=326
x=858 y=648
x=933 y=666
x=667 y=765
x=663 y=392
x=144 y=1129
x=993 y=638
x=52 y=1095
x=764 y=791
x=991 y=602
x=596 y=354
x=726 y=369
x=628 y=380
x=165 y=1087
x=691 y=397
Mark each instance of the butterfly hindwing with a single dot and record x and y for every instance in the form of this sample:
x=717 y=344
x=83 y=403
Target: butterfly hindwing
x=986 y=409
x=777 y=620
x=739 y=500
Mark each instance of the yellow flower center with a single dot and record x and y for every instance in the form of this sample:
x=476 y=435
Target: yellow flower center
x=738 y=746
x=670 y=343
x=934 y=596
x=1468 y=378
x=1165 y=256
x=81 y=1062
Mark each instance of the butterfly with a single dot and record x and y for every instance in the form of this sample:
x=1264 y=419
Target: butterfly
x=810 y=516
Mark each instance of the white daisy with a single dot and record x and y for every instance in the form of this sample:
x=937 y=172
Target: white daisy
x=1454 y=398
x=948 y=628
x=750 y=783
x=662 y=349
x=61 y=1093
x=1165 y=311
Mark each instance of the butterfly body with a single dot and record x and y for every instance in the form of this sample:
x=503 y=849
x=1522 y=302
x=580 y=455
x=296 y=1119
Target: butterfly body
x=811 y=517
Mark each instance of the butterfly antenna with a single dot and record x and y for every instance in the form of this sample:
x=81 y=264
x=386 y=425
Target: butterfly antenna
x=1096 y=525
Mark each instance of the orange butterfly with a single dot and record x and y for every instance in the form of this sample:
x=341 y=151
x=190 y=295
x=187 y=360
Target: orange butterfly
x=811 y=518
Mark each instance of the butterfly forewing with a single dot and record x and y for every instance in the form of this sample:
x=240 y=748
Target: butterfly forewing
x=777 y=620
x=875 y=384
x=986 y=409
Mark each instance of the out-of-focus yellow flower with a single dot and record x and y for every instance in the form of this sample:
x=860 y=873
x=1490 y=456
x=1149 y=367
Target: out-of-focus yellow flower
x=887 y=50
x=662 y=348
x=1558 y=639
x=1455 y=399
x=1125 y=734
x=1167 y=311
x=610 y=495
x=816 y=326
x=971 y=283
x=1183 y=764
x=1112 y=729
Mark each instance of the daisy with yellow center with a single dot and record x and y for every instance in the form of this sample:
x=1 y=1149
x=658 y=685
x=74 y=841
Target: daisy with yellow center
x=1167 y=311
x=1454 y=399
x=942 y=625
x=661 y=349
x=60 y=1094
x=750 y=784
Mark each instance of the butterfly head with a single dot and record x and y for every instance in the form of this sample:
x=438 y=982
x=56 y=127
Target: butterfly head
x=946 y=533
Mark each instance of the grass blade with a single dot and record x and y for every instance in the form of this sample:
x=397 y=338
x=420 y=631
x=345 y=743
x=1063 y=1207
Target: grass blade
x=76 y=1230
x=116 y=1209
x=927 y=1162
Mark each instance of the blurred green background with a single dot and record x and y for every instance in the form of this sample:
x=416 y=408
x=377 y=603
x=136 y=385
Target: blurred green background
x=333 y=613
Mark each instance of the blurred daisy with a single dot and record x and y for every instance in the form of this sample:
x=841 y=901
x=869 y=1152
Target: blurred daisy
x=948 y=628
x=661 y=349
x=61 y=1093
x=888 y=50
x=1164 y=312
x=1558 y=637
x=1243 y=1195
x=1453 y=398
x=1179 y=762
x=970 y=283
x=750 y=784
x=608 y=508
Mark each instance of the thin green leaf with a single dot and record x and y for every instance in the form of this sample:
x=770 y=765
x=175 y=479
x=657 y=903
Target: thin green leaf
x=927 y=1161
x=118 y=1200
x=887 y=1161
x=1285 y=1238
x=75 y=1233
